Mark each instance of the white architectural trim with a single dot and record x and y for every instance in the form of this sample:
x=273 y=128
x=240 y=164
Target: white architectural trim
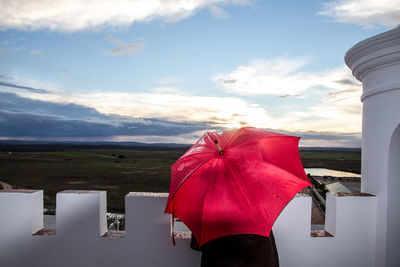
x=369 y=55
x=376 y=91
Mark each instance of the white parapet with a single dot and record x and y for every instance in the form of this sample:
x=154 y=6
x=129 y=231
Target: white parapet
x=81 y=240
x=81 y=213
x=25 y=220
x=351 y=219
x=81 y=237
x=21 y=215
x=348 y=238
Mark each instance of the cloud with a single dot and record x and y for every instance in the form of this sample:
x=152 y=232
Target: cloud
x=338 y=111
x=28 y=119
x=174 y=106
x=123 y=48
x=218 y=12
x=329 y=139
x=36 y=52
x=340 y=108
x=366 y=13
x=166 y=103
x=27 y=88
x=20 y=48
x=171 y=80
x=335 y=109
x=59 y=15
x=24 y=117
x=335 y=93
x=281 y=77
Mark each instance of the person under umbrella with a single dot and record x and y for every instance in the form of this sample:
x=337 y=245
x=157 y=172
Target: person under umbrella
x=230 y=187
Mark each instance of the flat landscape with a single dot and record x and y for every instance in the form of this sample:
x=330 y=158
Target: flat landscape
x=118 y=170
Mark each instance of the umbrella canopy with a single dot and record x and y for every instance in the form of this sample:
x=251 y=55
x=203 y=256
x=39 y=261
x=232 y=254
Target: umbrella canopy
x=235 y=182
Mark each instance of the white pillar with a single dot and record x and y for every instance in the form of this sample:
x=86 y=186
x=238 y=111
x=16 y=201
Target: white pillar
x=376 y=63
x=21 y=212
x=21 y=215
x=148 y=233
x=81 y=212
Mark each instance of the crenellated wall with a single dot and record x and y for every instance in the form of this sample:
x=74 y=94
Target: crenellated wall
x=81 y=237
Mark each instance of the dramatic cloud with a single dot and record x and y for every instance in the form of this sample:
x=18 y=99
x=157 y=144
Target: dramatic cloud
x=339 y=107
x=27 y=119
x=123 y=48
x=165 y=114
x=163 y=102
x=174 y=106
x=59 y=15
x=23 y=117
x=366 y=13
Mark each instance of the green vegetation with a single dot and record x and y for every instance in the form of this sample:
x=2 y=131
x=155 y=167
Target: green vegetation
x=119 y=171
x=77 y=154
x=349 y=161
x=335 y=155
x=116 y=171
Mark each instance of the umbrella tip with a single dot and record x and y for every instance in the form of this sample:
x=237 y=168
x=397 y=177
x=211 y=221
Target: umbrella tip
x=219 y=148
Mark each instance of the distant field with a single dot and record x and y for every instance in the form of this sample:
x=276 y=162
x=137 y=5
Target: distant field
x=119 y=171
x=116 y=171
x=335 y=160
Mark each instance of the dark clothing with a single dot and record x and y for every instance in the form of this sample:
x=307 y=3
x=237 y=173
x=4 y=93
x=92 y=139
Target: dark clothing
x=240 y=251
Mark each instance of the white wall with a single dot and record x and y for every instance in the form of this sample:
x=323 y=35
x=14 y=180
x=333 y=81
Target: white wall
x=376 y=63
x=81 y=219
x=393 y=242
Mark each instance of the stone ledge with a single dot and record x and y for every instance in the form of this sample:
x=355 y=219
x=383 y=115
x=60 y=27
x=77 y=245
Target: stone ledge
x=45 y=232
x=27 y=191
x=80 y=192
x=147 y=194
x=353 y=194
x=182 y=235
x=320 y=233
x=114 y=234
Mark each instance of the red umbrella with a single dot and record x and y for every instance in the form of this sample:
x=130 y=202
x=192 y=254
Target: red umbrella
x=235 y=182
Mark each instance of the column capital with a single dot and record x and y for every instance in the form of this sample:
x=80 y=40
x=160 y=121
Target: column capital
x=373 y=53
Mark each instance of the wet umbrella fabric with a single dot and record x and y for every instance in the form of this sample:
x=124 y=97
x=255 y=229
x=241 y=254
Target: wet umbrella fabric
x=235 y=182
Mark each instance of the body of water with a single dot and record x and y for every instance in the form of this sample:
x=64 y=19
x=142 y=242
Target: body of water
x=328 y=172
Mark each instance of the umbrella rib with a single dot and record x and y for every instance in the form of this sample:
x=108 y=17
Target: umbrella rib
x=195 y=154
x=190 y=173
x=256 y=139
x=231 y=138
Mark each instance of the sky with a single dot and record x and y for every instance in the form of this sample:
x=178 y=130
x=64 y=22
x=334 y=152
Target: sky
x=167 y=71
